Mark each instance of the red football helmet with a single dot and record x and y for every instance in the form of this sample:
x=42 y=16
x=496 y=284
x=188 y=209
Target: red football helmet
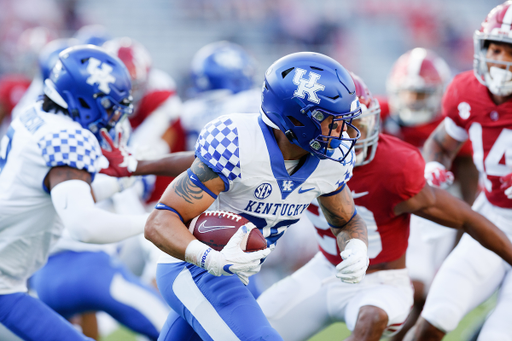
x=415 y=87
x=368 y=123
x=137 y=60
x=497 y=27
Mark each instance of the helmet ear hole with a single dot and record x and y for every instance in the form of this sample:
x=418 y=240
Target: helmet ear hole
x=295 y=121
x=84 y=60
x=83 y=103
x=286 y=72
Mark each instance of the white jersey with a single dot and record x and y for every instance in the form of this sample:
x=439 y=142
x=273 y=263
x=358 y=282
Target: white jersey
x=29 y=225
x=197 y=112
x=242 y=149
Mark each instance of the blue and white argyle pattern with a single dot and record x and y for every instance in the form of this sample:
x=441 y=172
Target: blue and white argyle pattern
x=218 y=144
x=77 y=148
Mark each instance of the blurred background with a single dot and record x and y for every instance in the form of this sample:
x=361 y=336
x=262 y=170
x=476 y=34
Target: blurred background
x=366 y=36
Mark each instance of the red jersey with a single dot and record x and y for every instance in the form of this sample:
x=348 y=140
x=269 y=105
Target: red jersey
x=489 y=127
x=12 y=88
x=393 y=176
x=154 y=120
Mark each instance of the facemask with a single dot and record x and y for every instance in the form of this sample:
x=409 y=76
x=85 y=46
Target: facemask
x=499 y=81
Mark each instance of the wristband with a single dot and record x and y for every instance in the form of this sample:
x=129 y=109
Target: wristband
x=196 y=253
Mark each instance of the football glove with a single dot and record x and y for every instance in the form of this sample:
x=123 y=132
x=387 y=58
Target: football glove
x=355 y=262
x=120 y=162
x=230 y=260
x=437 y=175
x=506 y=184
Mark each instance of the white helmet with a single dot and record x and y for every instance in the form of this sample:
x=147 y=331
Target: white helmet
x=415 y=87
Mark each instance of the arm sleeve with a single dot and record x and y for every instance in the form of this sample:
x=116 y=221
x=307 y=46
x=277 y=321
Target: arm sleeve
x=217 y=146
x=77 y=148
x=409 y=183
x=455 y=111
x=87 y=223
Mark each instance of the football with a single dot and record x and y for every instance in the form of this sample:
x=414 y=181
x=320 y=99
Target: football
x=215 y=228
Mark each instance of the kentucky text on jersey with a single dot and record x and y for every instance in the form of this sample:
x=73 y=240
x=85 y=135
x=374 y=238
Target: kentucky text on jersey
x=290 y=210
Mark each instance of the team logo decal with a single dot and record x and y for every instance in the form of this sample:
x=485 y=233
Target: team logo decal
x=263 y=191
x=100 y=75
x=287 y=186
x=309 y=86
x=464 y=110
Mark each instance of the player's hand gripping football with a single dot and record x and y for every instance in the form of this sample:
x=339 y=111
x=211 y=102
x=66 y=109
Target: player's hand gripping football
x=355 y=262
x=506 y=184
x=121 y=162
x=437 y=175
x=230 y=260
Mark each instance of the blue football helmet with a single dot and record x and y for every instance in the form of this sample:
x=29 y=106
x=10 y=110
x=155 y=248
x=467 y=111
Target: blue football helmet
x=223 y=65
x=50 y=54
x=92 y=85
x=303 y=89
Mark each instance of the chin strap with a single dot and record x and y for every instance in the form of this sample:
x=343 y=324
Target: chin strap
x=267 y=120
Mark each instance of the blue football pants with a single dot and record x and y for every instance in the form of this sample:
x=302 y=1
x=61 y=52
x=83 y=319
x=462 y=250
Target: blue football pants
x=76 y=282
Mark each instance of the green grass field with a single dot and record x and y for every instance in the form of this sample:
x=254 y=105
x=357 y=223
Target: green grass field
x=339 y=331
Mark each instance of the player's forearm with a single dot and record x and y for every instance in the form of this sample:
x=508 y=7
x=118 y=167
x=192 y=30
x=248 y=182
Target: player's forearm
x=168 y=233
x=87 y=223
x=441 y=147
x=355 y=229
x=170 y=165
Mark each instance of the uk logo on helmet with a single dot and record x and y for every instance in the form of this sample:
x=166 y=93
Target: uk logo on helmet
x=101 y=75
x=309 y=86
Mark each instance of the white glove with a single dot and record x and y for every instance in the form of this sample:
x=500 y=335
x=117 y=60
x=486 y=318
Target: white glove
x=230 y=260
x=437 y=175
x=355 y=262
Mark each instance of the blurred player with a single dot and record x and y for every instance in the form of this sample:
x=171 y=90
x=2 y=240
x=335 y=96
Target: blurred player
x=303 y=152
x=415 y=88
x=48 y=159
x=12 y=88
x=223 y=83
x=477 y=106
x=313 y=298
x=47 y=58
x=156 y=106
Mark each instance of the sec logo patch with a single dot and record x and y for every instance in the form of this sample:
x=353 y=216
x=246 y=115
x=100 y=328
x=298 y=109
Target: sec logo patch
x=263 y=191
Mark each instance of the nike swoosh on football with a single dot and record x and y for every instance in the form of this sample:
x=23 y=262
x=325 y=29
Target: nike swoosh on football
x=202 y=228
x=359 y=195
x=305 y=190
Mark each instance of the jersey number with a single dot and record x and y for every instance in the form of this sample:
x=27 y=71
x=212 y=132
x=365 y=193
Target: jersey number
x=501 y=148
x=5 y=147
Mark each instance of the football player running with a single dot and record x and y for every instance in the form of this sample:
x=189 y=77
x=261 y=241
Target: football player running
x=267 y=167
x=477 y=106
x=48 y=159
x=312 y=298
x=415 y=87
